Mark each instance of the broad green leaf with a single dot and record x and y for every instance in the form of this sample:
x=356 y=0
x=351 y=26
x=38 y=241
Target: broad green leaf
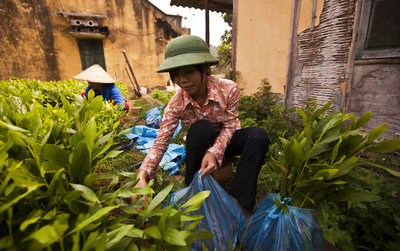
x=142 y=190
x=33 y=218
x=91 y=134
x=87 y=193
x=159 y=198
x=90 y=179
x=116 y=235
x=32 y=121
x=100 y=213
x=325 y=174
x=175 y=237
x=128 y=209
x=135 y=233
x=79 y=162
x=153 y=232
x=384 y=146
x=111 y=154
x=196 y=201
x=8 y=204
x=323 y=109
x=335 y=150
x=90 y=240
x=363 y=119
x=376 y=132
x=56 y=154
x=97 y=151
x=45 y=235
x=391 y=171
x=346 y=166
x=191 y=217
x=11 y=127
x=47 y=136
x=54 y=184
x=199 y=234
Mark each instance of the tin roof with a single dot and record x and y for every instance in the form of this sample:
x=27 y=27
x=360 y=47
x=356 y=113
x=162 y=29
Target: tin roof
x=224 y=6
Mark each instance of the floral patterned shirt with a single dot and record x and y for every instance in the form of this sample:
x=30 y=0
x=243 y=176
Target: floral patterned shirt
x=220 y=109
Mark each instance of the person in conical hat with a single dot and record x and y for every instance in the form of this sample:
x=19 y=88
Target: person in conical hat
x=209 y=107
x=102 y=84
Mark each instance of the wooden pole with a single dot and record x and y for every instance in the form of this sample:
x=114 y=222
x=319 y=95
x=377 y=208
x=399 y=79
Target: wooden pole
x=234 y=37
x=130 y=78
x=137 y=89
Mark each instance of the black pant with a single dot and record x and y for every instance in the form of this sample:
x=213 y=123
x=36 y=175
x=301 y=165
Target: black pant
x=251 y=143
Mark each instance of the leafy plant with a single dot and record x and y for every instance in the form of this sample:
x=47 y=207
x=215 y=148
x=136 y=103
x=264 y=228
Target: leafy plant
x=351 y=228
x=162 y=96
x=263 y=109
x=318 y=162
x=51 y=195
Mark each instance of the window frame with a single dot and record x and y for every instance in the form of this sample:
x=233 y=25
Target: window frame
x=363 y=53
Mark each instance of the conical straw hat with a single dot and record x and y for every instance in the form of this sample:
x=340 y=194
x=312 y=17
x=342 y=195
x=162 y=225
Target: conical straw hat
x=95 y=74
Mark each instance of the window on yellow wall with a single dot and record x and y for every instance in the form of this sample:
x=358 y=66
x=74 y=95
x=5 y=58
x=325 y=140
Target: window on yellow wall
x=379 y=30
x=91 y=52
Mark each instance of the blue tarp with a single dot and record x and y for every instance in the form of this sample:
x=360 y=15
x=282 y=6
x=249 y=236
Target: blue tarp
x=145 y=137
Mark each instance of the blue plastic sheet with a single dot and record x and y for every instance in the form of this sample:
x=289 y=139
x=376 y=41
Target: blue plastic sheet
x=173 y=157
x=154 y=117
x=222 y=216
x=270 y=228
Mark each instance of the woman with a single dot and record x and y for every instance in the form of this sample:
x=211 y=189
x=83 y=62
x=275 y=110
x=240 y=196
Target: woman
x=209 y=105
x=102 y=84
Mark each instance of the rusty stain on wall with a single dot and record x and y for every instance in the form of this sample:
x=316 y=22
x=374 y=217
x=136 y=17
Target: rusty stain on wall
x=27 y=43
x=36 y=42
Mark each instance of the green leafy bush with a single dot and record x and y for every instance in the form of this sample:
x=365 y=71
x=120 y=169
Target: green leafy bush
x=51 y=195
x=263 y=109
x=162 y=96
x=318 y=162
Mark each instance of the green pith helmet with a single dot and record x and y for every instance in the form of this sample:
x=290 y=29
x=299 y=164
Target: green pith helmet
x=184 y=51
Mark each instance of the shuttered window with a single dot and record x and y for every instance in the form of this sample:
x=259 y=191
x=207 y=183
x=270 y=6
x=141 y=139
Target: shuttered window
x=91 y=52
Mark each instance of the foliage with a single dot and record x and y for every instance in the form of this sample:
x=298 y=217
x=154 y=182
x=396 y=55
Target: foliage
x=351 y=228
x=318 y=162
x=224 y=50
x=162 y=96
x=263 y=109
x=51 y=195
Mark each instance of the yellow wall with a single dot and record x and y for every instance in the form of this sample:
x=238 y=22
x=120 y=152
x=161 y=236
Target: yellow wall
x=263 y=34
x=36 y=28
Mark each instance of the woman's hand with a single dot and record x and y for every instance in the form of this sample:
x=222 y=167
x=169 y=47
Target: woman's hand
x=208 y=164
x=142 y=177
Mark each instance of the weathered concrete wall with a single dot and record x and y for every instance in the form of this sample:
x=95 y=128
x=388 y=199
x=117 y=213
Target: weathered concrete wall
x=27 y=46
x=36 y=42
x=376 y=88
x=322 y=56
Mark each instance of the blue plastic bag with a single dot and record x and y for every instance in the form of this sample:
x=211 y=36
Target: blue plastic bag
x=154 y=117
x=270 y=228
x=222 y=216
x=173 y=157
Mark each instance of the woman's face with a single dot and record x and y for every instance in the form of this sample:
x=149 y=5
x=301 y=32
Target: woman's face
x=96 y=86
x=189 y=78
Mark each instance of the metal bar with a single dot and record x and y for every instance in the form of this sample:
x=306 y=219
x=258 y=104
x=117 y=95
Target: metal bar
x=70 y=14
x=207 y=10
x=314 y=7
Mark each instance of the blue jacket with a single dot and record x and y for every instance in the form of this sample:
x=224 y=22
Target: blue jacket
x=110 y=93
